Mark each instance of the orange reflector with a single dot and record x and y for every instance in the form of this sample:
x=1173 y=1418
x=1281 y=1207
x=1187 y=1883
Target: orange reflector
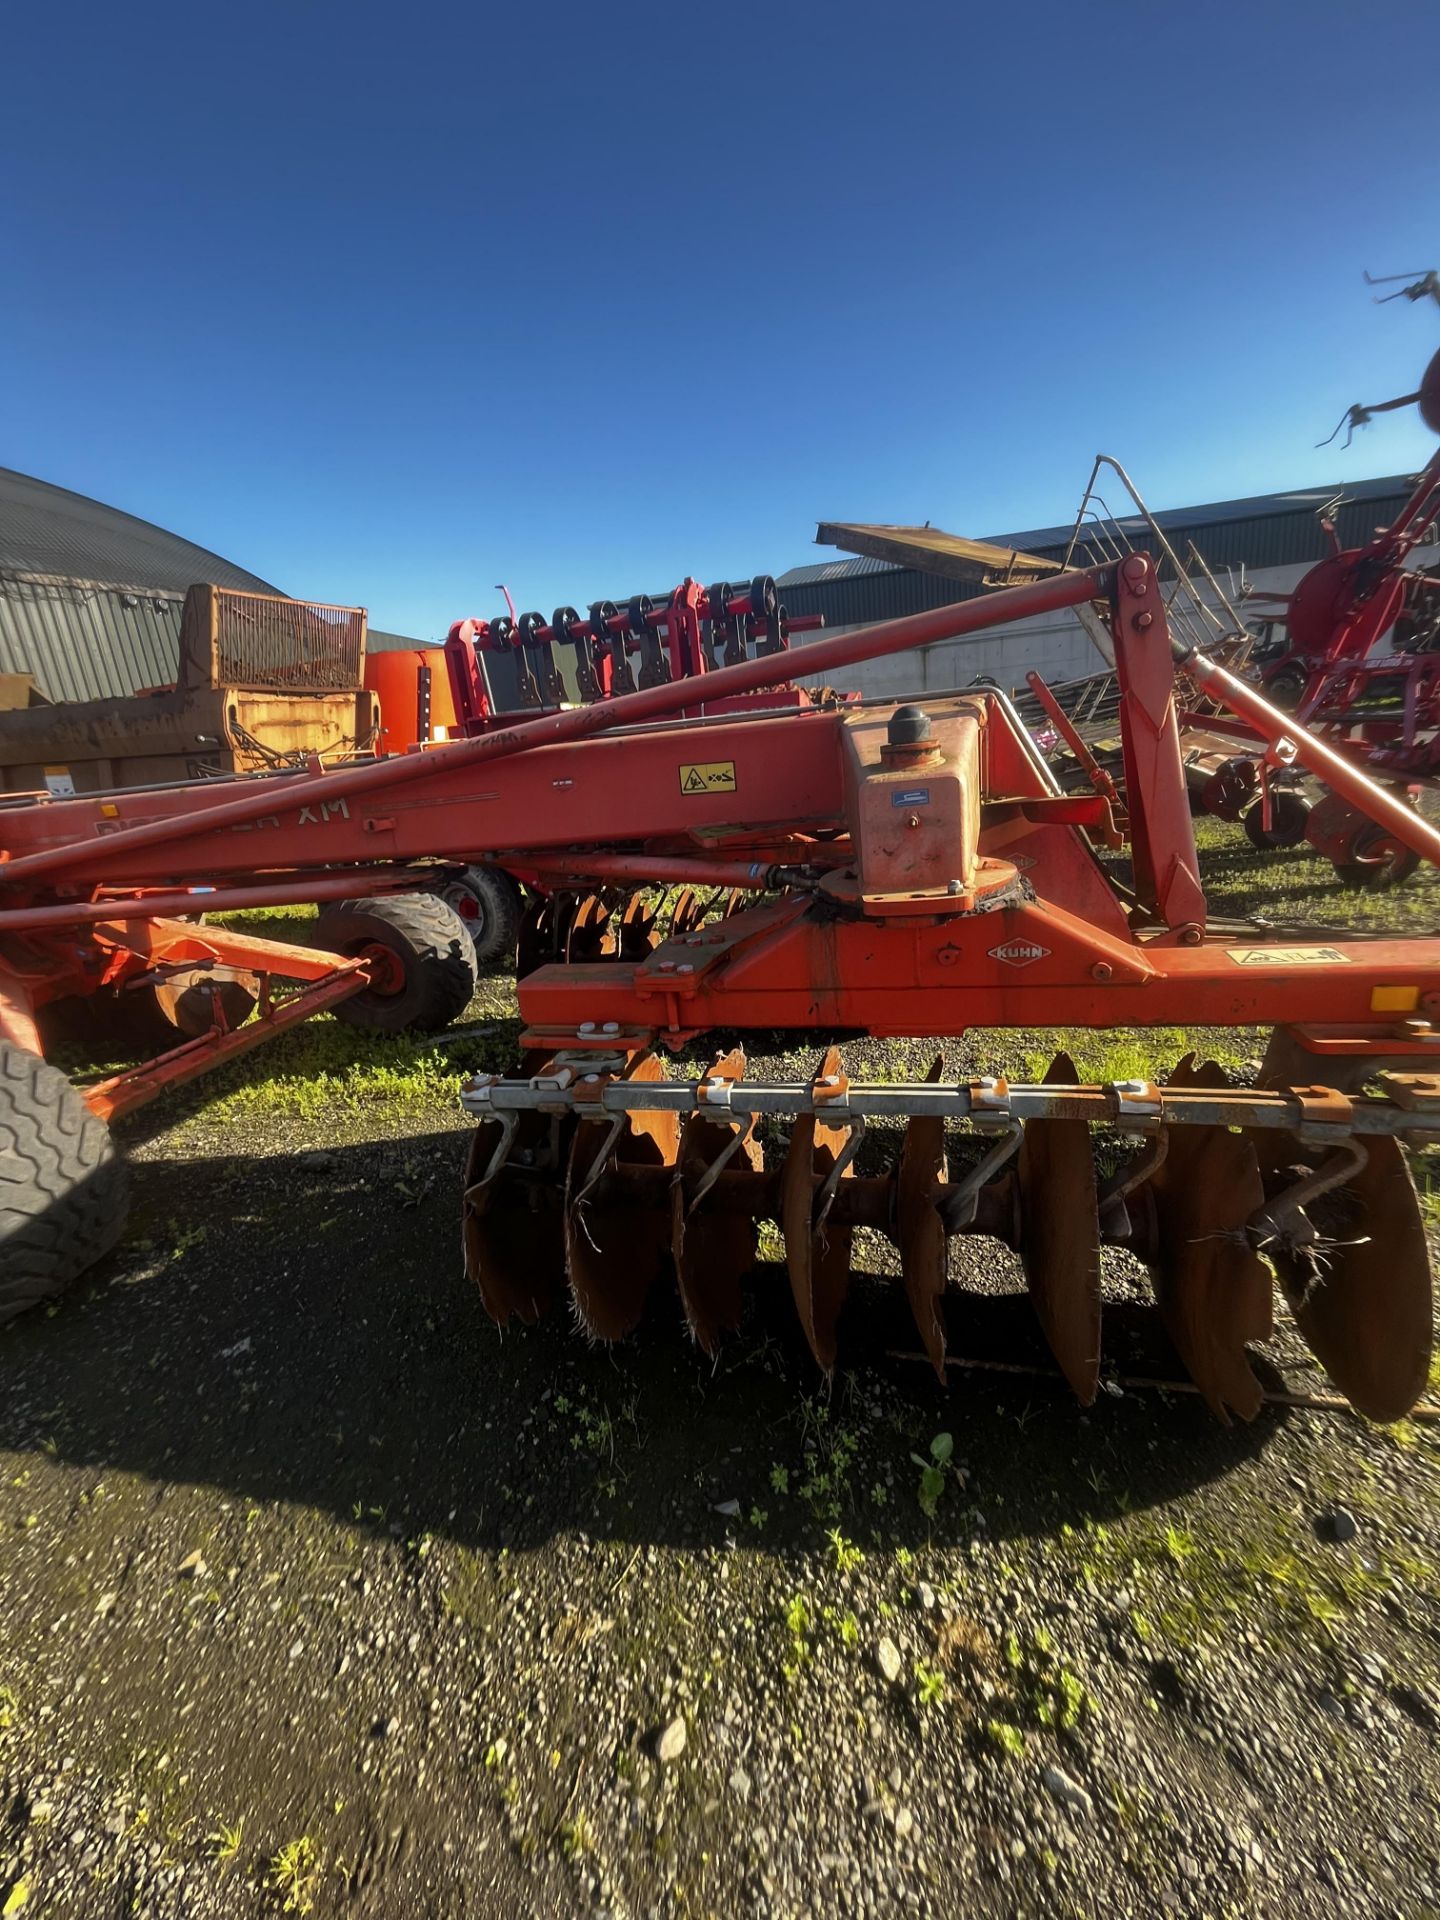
x=109 y=810
x=1394 y=999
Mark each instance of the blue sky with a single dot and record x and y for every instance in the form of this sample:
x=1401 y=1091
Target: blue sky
x=391 y=303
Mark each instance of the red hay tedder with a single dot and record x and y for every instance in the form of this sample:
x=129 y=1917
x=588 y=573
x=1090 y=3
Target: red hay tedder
x=884 y=867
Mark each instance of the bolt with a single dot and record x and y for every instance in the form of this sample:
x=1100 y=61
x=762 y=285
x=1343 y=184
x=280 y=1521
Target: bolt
x=1133 y=571
x=686 y=968
x=1101 y=970
x=1144 y=621
x=587 y=1026
x=665 y=966
x=953 y=886
x=592 y=1079
x=611 y=1026
x=912 y=819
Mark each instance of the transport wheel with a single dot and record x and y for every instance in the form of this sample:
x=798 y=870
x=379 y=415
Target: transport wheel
x=429 y=976
x=1286 y=688
x=64 y=1190
x=1376 y=860
x=1288 y=814
x=489 y=903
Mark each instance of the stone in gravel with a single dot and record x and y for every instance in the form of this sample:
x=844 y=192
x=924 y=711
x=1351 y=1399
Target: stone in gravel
x=887 y=1659
x=1338 y=1525
x=671 y=1743
x=904 y=1823
x=730 y=1508
x=192 y=1567
x=106 y=1603
x=1069 y=1792
x=740 y=1784
x=385 y=1726
x=1418 y=1705
x=927 y=1596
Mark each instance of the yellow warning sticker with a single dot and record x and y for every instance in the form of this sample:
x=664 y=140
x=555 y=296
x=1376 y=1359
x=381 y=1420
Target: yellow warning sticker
x=1288 y=956
x=707 y=776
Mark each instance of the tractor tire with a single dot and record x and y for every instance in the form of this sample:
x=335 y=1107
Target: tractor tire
x=1288 y=815
x=1388 y=863
x=64 y=1189
x=430 y=943
x=489 y=903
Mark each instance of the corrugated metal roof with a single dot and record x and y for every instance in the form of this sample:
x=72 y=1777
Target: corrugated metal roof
x=834 y=570
x=86 y=639
x=1297 y=509
x=49 y=530
x=378 y=641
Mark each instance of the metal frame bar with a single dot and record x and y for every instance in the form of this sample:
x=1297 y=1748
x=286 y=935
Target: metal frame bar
x=989 y=1104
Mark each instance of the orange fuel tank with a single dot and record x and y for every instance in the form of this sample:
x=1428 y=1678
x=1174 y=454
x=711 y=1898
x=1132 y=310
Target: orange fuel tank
x=395 y=675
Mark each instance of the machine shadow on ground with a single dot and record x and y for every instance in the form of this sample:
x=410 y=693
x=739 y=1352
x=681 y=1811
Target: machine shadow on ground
x=299 y=1330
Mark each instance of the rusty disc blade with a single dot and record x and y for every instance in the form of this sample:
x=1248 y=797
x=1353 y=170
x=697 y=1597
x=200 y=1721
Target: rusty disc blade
x=535 y=942
x=637 y=928
x=1213 y=1289
x=712 y=1251
x=685 y=914
x=614 y=1250
x=919 y=1228
x=588 y=935
x=818 y=1261
x=1362 y=1297
x=511 y=1229
x=1060 y=1238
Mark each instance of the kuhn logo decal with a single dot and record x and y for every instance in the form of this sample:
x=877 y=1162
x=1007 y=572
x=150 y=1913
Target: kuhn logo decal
x=1019 y=953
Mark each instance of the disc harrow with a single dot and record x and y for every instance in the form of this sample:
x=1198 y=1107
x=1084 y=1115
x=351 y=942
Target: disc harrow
x=632 y=1177
x=570 y=928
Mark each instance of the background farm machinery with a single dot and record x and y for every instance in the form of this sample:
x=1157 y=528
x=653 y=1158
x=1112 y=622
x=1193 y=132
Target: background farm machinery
x=899 y=871
x=1351 y=652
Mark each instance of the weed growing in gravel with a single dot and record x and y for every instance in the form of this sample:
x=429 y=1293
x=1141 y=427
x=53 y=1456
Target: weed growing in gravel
x=576 y=1837
x=9 y=1709
x=930 y=1684
x=932 y=1473
x=799 y=1621
x=294 y=1873
x=1046 y=1690
x=225 y=1843
x=847 y=1555
x=830 y=1454
x=1010 y=1740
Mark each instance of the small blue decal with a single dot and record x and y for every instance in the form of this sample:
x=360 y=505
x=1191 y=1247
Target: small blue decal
x=911 y=797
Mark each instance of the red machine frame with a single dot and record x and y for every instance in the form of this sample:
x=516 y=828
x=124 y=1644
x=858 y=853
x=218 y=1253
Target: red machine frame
x=90 y=886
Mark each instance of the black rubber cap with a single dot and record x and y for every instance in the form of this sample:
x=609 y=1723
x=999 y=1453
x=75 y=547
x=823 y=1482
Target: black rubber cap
x=909 y=726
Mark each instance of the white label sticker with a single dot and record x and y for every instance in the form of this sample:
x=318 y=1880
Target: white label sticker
x=1288 y=956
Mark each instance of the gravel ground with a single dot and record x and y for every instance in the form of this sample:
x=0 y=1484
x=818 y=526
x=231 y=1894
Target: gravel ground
x=319 y=1594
